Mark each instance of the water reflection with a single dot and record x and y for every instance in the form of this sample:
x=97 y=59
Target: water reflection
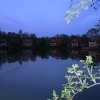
x=31 y=55
x=95 y=55
x=40 y=71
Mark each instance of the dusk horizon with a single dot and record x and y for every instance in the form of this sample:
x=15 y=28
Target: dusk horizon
x=44 y=18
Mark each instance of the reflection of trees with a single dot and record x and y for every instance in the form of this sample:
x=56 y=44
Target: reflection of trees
x=20 y=62
x=28 y=55
x=25 y=55
x=64 y=54
x=13 y=56
x=81 y=54
x=20 y=56
x=43 y=53
x=3 y=56
x=59 y=54
x=0 y=65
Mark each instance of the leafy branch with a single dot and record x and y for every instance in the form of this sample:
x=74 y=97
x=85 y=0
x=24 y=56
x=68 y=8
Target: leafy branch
x=77 y=6
x=78 y=80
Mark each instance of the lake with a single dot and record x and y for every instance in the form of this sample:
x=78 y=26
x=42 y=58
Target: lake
x=34 y=74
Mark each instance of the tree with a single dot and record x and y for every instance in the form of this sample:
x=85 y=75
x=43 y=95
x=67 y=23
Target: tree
x=13 y=39
x=92 y=32
x=20 y=32
x=43 y=42
x=33 y=35
x=85 y=40
x=77 y=6
x=98 y=27
x=65 y=41
x=24 y=35
x=95 y=4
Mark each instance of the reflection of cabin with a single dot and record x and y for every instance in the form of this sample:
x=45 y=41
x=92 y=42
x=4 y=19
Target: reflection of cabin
x=54 y=42
x=74 y=52
x=27 y=42
x=93 y=53
x=3 y=43
x=26 y=55
x=75 y=43
x=54 y=53
x=94 y=41
x=27 y=52
x=3 y=52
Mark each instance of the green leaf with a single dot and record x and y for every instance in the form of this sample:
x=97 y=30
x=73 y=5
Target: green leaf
x=83 y=61
x=62 y=95
x=99 y=71
x=68 y=18
x=88 y=58
x=54 y=93
x=84 y=7
x=78 y=74
x=76 y=66
x=71 y=70
x=80 y=71
x=79 y=90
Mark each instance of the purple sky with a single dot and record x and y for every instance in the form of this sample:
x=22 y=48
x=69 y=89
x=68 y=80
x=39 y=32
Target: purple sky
x=44 y=17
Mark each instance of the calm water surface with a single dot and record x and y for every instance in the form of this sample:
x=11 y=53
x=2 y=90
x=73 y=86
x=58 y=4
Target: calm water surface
x=31 y=76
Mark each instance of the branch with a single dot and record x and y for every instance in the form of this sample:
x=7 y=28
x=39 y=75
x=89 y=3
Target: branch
x=72 y=3
x=87 y=88
x=93 y=85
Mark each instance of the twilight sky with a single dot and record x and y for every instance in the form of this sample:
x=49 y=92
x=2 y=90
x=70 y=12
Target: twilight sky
x=44 y=17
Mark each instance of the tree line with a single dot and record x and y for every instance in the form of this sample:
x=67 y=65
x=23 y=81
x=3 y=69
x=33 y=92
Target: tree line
x=15 y=39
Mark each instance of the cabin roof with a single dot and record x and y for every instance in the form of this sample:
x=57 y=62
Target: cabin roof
x=76 y=40
x=95 y=39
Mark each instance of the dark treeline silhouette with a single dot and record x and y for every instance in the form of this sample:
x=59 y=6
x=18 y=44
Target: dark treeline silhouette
x=14 y=40
x=26 y=55
x=17 y=40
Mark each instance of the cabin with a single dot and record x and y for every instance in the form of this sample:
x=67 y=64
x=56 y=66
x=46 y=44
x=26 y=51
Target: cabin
x=27 y=42
x=54 y=42
x=76 y=42
x=94 y=41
